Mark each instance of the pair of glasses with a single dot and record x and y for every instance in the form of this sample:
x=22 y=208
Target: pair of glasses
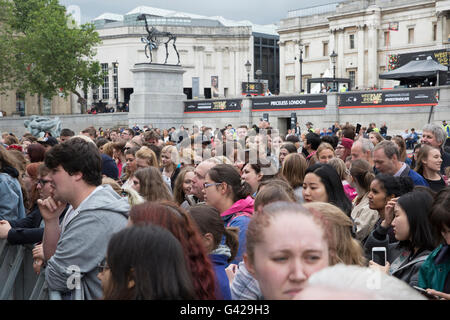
x=127 y=148
x=207 y=185
x=102 y=266
x=43 y=182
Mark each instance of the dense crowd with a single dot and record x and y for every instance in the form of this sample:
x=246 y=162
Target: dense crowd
x=233 y=213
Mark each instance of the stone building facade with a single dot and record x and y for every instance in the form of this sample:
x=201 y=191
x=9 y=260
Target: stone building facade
x=208 y=47
x=364 y=34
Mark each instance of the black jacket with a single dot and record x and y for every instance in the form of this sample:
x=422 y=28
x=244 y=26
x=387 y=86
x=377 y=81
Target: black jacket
x=27 y=230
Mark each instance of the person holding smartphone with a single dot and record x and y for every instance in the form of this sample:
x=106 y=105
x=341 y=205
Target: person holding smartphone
x=408 y=216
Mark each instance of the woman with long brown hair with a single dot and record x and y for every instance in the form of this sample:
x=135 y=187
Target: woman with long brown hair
x=293 y=170
x=168 y=215
x=428 y=165
x=150 y=184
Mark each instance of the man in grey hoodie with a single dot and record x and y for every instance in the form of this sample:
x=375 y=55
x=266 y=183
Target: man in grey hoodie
x=75 y=248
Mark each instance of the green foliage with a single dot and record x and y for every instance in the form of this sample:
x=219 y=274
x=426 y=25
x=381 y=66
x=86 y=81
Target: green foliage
x=44 y=50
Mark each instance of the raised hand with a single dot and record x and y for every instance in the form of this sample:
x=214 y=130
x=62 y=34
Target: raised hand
x=50 y=209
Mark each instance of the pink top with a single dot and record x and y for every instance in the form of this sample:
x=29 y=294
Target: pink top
x=350 y=192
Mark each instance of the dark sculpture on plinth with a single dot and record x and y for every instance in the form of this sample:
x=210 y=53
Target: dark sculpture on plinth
x=155 y=38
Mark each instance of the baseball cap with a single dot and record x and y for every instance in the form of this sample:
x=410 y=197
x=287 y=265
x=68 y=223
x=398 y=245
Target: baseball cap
x=51 y=141
x=309 y=123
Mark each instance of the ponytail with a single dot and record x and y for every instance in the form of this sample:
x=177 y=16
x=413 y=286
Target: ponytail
x=232 y=241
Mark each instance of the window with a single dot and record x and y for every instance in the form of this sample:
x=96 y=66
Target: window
x=434 y=31
x=386 y=39
x=306 y=52
x=325 y=49
x=352 y=41
x=352 y=77
x=105 y=88
x=410 y=35
x=116 y=82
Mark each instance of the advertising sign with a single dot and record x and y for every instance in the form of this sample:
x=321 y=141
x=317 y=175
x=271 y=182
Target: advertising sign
x=275 y=103
x=391 y=98
x=198 y=106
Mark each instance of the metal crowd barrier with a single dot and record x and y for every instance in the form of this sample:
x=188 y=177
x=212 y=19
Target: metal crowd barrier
x=18 y=281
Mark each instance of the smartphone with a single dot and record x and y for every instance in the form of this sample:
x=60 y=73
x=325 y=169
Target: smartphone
x=379 y=255
x=358 y=127
x=425 y=293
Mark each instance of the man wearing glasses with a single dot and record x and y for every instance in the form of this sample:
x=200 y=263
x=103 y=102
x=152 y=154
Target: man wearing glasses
x=198 y=182
x=29 y=230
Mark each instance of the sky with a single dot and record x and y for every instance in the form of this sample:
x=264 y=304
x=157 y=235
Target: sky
x=256 y=11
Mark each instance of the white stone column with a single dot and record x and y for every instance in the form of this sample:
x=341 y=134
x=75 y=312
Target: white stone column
x=282 y=53
x=361 y=55
x=372 y=56
x=332 y=42
x=219 y=69
x=297 y=67
x=340 y=65
x=199 y=68
x=440 y=29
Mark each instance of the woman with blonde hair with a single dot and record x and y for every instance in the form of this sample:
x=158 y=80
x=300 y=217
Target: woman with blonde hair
x=325 y=152
x=150 y=185
x=342 y=247
x=183 y=184
x=293 y=170
x=170 y=164
x=145 y=158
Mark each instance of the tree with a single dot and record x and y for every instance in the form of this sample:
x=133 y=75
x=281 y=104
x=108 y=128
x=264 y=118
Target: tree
x=47 y=53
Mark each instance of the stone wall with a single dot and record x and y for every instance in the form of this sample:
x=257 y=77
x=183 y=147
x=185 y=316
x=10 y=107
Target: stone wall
x=397 y=118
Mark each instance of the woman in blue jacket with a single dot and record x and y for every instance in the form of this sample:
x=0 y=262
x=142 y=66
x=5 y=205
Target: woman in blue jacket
x=211 y=228
x=11 y=197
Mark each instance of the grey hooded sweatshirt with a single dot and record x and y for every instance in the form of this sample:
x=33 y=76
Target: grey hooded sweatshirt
x=83 y=243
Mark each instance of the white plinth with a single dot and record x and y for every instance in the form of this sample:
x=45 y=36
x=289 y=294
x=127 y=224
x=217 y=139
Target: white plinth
x=158 y=95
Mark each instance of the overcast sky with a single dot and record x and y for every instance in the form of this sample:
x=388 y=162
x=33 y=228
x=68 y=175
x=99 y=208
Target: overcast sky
x=256 y=11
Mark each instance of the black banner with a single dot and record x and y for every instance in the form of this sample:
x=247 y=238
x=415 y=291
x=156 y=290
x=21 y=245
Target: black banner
x=233 y=105
x=317 y=101
x=253 y=88
x=389 y=98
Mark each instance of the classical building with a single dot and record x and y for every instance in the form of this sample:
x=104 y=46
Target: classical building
x=211 y=49
x=368 y=36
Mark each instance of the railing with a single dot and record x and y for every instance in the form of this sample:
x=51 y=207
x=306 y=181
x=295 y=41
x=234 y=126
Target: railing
x=18 y=280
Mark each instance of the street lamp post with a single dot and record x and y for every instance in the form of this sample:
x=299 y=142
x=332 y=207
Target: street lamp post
x=248 y=67
x=333 y=57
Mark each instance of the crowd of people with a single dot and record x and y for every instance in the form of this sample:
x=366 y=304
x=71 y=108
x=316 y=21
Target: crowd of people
x=233 y=213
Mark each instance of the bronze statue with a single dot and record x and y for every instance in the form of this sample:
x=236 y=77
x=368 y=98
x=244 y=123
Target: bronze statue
x=155 y=37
